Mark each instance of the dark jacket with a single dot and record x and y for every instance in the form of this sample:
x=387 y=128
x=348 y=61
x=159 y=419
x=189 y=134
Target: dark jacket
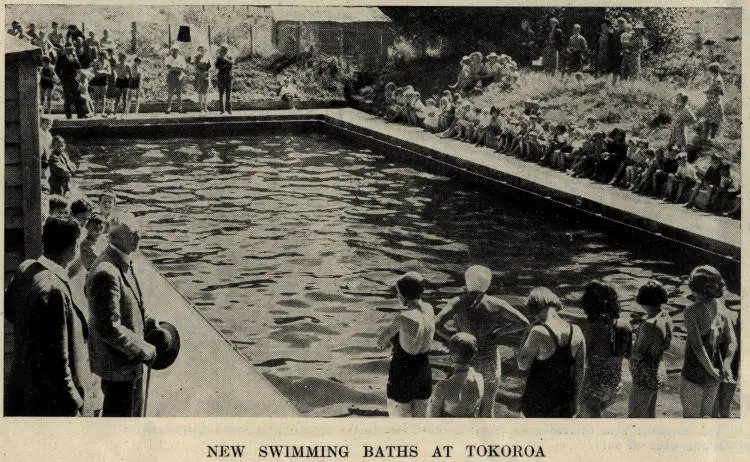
x=67 y=69
x=118 y=319
x=50 y=371
x=224 y=67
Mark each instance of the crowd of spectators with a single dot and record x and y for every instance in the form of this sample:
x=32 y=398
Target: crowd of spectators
x=670 y=169
x=98 y=78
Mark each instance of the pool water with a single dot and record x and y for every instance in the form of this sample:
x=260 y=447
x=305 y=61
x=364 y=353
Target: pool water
x=290 y=245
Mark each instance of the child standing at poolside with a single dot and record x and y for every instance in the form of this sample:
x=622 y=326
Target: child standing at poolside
x=711 y=344
x=47 y=81
x=411 y=332
x=652 y=340
x=61 y=168
x=135 y=85
x=460 y=394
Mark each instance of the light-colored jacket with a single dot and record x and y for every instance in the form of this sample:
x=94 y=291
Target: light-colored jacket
x=118 y=318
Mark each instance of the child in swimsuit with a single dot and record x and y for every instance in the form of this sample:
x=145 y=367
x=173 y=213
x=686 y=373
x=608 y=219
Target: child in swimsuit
x=554 y=353
x=653 y=339
x=460 y=394
x=608 y=341
x=711 y=344
x=135 y=85
x=122 y=83
x=411 y=332
x=491 y=321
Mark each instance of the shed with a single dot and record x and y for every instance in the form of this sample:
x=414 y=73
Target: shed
x=363 y=33
x=23 y=220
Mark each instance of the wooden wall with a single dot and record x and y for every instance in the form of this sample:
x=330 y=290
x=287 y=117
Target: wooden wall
x=23 y=237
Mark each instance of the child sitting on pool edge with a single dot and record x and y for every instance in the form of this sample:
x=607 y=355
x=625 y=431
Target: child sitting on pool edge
x=411 y=332
x=460 y=394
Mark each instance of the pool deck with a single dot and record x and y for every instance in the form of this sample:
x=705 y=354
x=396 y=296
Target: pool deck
x=209 y=378
x=718 y=235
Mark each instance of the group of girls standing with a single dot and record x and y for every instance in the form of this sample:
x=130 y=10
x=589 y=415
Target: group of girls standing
x=571 y=371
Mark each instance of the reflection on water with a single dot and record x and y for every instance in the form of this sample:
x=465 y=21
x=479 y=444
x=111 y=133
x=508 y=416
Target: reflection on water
x=289 y=246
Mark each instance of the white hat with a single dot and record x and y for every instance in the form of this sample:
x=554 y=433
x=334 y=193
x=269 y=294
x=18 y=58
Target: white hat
x=478 y=278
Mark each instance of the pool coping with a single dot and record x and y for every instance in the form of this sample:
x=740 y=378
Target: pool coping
x=716 y=235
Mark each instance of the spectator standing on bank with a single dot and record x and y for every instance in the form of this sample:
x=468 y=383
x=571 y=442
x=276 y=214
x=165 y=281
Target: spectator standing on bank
x=90 y=247
x=602 y=48
x=47 y=80
x=135 y=86
x=615 y=50
x=578 y=48
x=102 y=69
x=122 y=83
x=202 y=64
x=552 y=46
x=105 y=42
x=608 y=342
x=119 y=320
x=176 y=68
x=527 y=40
x=73 y=34
x=553 y=352
x=682 y=118
x=224 y=64
x=55 y=37
x=50 y=370
x=67 y=68
x=653 y=338
x=711 y=344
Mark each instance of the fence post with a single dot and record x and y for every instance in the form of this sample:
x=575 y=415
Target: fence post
x=209 y=37
x=251 y=42
x=83 y=28
x=134 y=35
x=169 y=33
x=341 y=42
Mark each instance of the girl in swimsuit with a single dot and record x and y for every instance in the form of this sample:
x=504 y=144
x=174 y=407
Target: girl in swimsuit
x=608 y=340
x=554 y=353
x=411 y=332
x=460 y=394
x=709 y=334
x=122 y=83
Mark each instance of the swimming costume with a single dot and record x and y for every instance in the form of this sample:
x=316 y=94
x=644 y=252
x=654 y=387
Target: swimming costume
x=122 y=83
x=410 y=376
x=550 y=388
x=135 y=83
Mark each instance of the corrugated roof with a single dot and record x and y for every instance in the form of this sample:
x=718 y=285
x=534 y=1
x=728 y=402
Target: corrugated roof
x=16 y=45
x=341 y=14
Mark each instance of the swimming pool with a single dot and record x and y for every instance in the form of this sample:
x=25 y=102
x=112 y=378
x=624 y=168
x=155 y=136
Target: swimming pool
x=289 y=245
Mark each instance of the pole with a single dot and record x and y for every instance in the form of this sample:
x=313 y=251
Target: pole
x=133 y=41
x=83 y=28
x=251 y=41
x=341 y=42
x=169 y=33
x=209 y=37
x=148 y=384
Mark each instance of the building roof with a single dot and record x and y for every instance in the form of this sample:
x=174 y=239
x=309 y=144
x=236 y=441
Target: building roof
x=340 y=14
x=16 y=45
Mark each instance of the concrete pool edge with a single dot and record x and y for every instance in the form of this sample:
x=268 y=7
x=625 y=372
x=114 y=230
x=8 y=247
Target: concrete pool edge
x=716 y=235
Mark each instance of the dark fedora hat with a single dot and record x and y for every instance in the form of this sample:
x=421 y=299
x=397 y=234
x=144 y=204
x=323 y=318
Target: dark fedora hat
x=166 y=339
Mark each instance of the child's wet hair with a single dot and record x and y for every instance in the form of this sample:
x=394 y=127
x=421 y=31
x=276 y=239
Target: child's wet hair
x=411 y=285
x=464 y=346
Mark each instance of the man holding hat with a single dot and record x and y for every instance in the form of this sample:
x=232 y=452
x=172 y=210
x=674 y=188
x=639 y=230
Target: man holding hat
x=119 y=321
x=491 y=321
x=176 y=69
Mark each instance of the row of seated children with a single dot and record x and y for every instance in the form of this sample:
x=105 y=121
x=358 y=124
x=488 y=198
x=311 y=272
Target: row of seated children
x=583 y=152
x=477 y=72
x=608 y=158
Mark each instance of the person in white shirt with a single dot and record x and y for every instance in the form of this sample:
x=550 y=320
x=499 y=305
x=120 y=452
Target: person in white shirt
x=176 y=69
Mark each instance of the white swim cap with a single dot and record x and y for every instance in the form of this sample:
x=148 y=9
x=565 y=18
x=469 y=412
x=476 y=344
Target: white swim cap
x=478 y=278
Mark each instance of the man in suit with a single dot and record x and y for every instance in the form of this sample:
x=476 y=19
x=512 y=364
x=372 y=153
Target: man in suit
x=67 y=68
x=50 y=370
x=119 y=322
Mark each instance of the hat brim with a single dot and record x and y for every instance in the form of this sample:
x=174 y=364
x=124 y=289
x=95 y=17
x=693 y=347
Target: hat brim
x=166 y=339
